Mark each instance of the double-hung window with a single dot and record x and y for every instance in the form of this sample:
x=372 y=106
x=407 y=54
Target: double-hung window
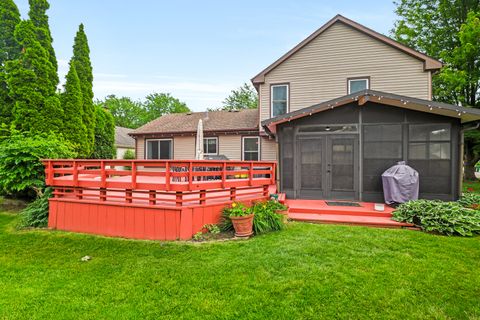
x=251 y=148
x=279 y=99
x=159 y=149
x=210 y=146
x=358 y=84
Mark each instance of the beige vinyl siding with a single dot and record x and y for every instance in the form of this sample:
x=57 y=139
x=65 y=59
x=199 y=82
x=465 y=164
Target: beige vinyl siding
x=184 y=148
x=230 y=146
x=268 y=149
x=140 y=147
x=319 y=71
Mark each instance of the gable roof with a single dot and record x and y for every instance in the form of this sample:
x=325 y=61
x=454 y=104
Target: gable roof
x=122 y=139
x=428 y=62
x=213 y=121
x=464 y=114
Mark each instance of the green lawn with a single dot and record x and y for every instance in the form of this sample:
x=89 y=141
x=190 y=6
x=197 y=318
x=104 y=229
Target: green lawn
x=307 y=271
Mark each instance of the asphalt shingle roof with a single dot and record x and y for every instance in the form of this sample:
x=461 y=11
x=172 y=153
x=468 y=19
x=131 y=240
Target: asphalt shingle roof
x=242 y=120
x=122 y=139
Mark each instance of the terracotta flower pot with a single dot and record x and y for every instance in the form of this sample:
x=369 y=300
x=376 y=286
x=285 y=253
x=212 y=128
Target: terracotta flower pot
x=243 y=225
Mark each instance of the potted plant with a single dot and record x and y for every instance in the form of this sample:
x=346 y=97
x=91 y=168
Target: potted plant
x=279 y=208
x=241 y=217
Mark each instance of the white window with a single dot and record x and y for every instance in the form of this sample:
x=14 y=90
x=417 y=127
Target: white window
x=251 y=148
x=279 y=99
x=159 y=149
x=210 y=145
x=359 y=84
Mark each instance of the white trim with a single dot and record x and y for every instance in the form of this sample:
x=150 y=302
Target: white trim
x=243 y=147
x=271 y=98
x=358 y=79
x=171 y=148
x=217 y=146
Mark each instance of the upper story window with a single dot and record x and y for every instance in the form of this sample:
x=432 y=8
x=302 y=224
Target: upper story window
x=159 y=149
x=279 y=99
x=358 y=84
x=210 y=145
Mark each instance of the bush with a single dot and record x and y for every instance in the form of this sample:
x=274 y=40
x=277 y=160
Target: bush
x=36 y=213
x=21 y=171
x=449 y=218
x=129 y=155
x=266 y=217
x=470 y=200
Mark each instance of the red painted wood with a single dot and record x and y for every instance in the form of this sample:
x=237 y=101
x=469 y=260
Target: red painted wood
x=170 y=225
x=186 y=223
x=139 y=216
x=149 y=224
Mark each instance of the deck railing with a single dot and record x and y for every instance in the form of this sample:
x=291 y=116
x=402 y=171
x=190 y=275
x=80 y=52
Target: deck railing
x=158 y=181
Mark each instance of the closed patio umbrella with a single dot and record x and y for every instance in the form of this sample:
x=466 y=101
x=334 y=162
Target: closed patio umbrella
x=199 y=144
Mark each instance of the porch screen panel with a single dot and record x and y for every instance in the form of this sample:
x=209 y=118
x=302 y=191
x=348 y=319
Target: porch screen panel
x=343 y=164
x=429 y=152
x=382 y=148
x=287 y=158
x=311 y=164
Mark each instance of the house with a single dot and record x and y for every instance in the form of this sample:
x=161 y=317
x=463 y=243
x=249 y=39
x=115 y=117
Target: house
x=123 y=141
x=235 y=135
x=335 y=111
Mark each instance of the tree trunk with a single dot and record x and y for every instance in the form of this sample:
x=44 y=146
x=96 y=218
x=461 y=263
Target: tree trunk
x=470 y=160
x=469 y=172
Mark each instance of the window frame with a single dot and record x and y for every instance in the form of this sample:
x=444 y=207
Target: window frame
x=287 y=108
x=349 y=80
x=216 y=146
x=258 y=149
x=159 y=139
x=428 y=142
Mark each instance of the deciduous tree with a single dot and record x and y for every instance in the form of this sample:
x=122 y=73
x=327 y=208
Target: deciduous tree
x=127 y=113
x=158 y=104
x=245 y=97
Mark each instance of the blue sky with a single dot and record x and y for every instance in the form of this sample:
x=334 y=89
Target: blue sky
x=196 y=50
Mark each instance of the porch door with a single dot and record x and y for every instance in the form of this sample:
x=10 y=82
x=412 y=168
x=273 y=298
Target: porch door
x=327 y=167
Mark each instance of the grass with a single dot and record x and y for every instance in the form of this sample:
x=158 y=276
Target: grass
x=305 y=272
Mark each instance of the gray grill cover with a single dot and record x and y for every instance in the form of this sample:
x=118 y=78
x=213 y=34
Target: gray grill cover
x=400 y=184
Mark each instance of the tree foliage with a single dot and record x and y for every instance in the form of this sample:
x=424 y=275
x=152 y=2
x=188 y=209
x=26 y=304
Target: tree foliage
x=73 y=129
x=30 y=81
x=21 y=171
x=104 y=147
x=134 y=114
x=9 y=50
x=39 y=18
x=450 y=31
x=245 y=97
x=83 y=66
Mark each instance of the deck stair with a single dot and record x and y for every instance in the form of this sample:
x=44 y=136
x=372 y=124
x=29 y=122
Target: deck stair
x=317 y=211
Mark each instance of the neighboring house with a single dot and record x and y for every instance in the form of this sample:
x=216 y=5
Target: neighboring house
x=232 y=134
x=123 y=141
x=340 y=108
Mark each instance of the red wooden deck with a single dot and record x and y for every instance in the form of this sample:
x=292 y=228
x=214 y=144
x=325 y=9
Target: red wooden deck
x=317 y=211
x=150 y=199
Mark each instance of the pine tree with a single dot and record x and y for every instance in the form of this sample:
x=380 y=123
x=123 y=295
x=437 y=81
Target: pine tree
x=37 y=106
x=81 y=60
x=38 y=16
x=104 y=134
x=73 y=128
x=9 y=50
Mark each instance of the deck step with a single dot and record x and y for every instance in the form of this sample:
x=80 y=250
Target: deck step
x=348 y=211
x=369 y=221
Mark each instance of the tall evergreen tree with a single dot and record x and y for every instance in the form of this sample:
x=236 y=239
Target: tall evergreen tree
x=38 y=15
x=104 y=134
x=73 y=128
x=9 y=50
x=37 y=107
x=83 y=66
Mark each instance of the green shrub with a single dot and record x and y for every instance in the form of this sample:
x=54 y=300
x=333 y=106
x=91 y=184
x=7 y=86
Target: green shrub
x=21 y=171
x=266 y=218
x=129 y=155
x=36 y=213
x=470 y=200
x=449 y=218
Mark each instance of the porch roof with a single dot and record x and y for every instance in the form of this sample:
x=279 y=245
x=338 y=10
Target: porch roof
x=465 y=114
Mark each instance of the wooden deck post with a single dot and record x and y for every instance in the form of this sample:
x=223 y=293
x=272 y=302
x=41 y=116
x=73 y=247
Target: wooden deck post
x=79 y=193
x=265 y=191
x=203 y=194
x=233 y=193
x=103 y=194
x=250 y=174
